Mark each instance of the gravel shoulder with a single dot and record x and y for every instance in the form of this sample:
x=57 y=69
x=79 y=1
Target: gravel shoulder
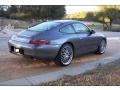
x=102 y=76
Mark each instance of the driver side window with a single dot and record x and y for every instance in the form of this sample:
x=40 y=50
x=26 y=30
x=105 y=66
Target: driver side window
x=80 y=28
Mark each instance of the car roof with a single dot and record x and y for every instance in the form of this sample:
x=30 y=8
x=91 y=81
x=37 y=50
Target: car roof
x=66 y=21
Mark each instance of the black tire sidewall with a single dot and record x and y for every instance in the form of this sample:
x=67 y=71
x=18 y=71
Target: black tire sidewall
x=58 y=58
x=99 y=47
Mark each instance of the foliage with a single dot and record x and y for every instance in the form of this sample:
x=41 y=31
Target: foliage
x=108 y=14
x=33 y=11
x=76 y=16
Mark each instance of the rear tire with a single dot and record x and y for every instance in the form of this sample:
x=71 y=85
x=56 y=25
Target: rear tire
x=65 y=55
x=101 y=47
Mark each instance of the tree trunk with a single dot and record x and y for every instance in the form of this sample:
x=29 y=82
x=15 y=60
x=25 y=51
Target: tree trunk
x=1 y=24
x=103 y=24
x=107 y=26
x=110 y=27
x=103 y=27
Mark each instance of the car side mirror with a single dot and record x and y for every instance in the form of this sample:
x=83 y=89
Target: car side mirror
x=92 y=31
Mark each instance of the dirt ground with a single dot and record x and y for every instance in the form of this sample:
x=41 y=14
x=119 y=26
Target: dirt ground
x=102 y=76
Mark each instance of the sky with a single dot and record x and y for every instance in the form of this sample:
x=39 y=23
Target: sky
x=73 y=9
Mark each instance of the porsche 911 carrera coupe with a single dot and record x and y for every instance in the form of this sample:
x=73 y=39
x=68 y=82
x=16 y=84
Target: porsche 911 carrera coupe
x=60 y=40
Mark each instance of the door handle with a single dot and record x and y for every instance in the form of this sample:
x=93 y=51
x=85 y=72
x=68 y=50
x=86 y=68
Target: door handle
x=81 y=38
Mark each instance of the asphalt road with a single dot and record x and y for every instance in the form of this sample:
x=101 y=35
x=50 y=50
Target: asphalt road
x=13 y=67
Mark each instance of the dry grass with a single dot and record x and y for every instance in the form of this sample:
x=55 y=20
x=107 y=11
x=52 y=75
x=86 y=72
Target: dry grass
x=103 y=75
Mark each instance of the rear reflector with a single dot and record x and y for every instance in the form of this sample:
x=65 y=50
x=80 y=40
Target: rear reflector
x=39 y=42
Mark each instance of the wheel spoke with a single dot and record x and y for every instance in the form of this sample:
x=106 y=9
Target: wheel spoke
x=103 y=46
x=66 y=55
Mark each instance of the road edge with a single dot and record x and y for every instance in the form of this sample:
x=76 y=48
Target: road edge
x=35 y=80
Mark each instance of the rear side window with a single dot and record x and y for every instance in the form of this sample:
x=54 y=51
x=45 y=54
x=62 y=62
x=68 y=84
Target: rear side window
x=44 y=26
x=67 y=29
x=80 y=28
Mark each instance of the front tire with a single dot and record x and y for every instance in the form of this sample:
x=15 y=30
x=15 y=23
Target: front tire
x=65 y=55
x=101 y=47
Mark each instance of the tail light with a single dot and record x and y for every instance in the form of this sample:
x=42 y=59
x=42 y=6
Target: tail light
x=39 y=42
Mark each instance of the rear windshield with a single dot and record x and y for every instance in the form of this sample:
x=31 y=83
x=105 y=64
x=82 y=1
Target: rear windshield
x=44 y=26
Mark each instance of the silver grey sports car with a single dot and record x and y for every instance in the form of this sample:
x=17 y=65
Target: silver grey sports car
x=60 y=40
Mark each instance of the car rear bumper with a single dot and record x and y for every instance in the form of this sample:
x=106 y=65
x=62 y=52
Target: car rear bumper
x=41 y=51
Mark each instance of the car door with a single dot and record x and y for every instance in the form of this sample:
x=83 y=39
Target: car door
x=69 y=35
x=86 y=39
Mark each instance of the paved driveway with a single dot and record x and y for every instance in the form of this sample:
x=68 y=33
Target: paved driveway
x=12 y=66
